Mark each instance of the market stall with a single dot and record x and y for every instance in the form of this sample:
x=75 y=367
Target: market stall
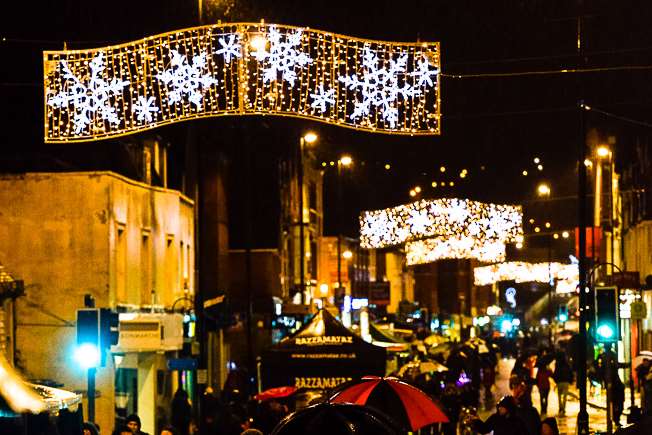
x=322 y=355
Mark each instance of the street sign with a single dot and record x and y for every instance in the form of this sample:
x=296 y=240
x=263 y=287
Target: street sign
x=630 y=280
x=638 y=310
x=182 y=364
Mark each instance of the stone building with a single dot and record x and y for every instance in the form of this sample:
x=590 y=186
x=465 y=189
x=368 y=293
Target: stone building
x=127 y=244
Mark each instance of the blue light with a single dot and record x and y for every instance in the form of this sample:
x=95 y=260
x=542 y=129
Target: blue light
x=605 y=331
x=87 y=355
x=506 y=326
x=563 y=318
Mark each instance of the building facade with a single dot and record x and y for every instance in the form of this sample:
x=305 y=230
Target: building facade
x=127 y=244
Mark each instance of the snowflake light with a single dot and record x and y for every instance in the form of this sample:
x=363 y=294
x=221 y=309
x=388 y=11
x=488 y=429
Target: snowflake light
x=230 y=47
x=217 y=70
x=448 y=217
x=283 y=57
x=380 y=87
x=186 y=79
x=453 y=247
x=88 y=101
x=321 y=98
x=144 y=108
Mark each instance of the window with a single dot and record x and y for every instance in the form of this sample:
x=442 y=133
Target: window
x=121 y=263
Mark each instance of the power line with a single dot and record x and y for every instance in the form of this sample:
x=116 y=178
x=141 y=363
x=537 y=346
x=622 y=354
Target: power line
x=620 y=117
x=549 y=72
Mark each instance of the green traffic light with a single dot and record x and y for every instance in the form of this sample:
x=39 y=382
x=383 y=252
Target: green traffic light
x=605 y=331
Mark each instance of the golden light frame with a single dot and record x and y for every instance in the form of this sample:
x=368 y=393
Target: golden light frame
x=241 y=69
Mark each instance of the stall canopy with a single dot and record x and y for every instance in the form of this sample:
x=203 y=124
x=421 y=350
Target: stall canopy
x=322 y=355
x=384 y=338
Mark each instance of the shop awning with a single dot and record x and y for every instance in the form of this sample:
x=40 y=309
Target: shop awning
x=322 y=355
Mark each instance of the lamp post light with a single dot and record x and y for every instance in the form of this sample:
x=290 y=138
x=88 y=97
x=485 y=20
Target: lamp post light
x=344 y=162
x=308 y=138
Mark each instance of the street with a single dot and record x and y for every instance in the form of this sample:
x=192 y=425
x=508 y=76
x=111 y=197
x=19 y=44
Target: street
x=567 y=423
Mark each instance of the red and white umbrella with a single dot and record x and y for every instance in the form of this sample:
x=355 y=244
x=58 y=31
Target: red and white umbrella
x=408 y=406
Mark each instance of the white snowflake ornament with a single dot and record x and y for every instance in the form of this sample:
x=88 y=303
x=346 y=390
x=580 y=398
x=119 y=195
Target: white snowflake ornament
x=380 y=87
x=89 y=100
x=187 y=79
x=321 y=98
x=283 y=57
x=423 y=73
x=144 y=108
x=230 y=48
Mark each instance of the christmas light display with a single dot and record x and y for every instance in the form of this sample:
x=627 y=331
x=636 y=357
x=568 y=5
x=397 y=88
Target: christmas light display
x=241 y=69
x=466 y=223
x=566 y=275
x=453 y=247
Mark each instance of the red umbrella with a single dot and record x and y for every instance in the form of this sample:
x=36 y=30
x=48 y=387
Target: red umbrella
x=275 y=393
x=405 y=404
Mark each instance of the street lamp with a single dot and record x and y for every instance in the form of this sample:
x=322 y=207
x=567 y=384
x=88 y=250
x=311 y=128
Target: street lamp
x=308 y=138
x=344 y=161
x=347 y=255
x=603 y=151
x=543 y=189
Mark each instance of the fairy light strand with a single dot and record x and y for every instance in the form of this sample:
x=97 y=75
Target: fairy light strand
x=242 y=69
x=446 y=217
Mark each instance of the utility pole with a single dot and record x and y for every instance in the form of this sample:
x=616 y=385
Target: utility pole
x=582 y=416
x=302 y=245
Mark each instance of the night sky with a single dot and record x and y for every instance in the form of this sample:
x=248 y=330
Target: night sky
x=491 y=126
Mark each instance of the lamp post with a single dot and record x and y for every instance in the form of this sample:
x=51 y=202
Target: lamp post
x=543 y=191
x=344 y=161
x=308 y=138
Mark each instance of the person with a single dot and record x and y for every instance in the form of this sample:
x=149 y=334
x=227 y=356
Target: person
x=168 y=430
x=647 y=388
x=181 y=411
x=617 y=395
x=543 y=384
x=123 y=430
x=524 y=409
x=563 y=377
x=549 y=426
x=503 y=422
x=133 y=423
x=89 y=428
x=642 y=371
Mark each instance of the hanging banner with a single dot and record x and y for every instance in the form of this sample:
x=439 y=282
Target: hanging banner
x=241 y=69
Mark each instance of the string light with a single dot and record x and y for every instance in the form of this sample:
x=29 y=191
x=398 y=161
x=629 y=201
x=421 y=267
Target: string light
x=567 y=275
x=242 y=69
x=446 y=217
x=455 y=247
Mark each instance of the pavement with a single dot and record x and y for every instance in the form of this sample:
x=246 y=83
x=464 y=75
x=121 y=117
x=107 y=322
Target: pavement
x=567 y=423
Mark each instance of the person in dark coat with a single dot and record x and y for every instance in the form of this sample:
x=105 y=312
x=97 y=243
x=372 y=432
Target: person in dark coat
x=543 y=384
x=133 y=423
x=524 y=409
x=181 y=411
x=504 y=421
x=563 y=377
x=549 y=426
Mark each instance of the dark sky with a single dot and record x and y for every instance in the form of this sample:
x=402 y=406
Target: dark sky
x=496 y=123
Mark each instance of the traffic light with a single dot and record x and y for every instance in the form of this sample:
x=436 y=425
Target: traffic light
x=109 y=331
x=87 y=352
x=562 y=314
x=606 y=315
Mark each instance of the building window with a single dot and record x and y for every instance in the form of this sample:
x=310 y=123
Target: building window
x=121 y=263
x=145 y=267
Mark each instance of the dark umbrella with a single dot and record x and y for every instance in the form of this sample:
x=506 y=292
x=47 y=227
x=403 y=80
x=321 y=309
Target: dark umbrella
x=408 y=406
x=330 y=419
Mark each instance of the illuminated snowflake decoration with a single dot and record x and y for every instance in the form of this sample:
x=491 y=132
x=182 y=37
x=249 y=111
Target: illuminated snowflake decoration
x=423 y=73
x=144 y=108
x=283 y=57
x=449 y=217
x=90 y=100
x=187 y=79
x=230 y=47
x=520 y=271
x=380 y=87
x=454 y=247
x=321 y=98
x=419 y=221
